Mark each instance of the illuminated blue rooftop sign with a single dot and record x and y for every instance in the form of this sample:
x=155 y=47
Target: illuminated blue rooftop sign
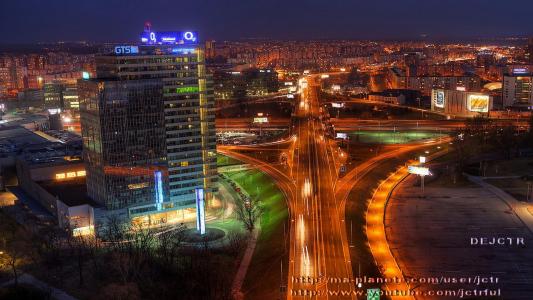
x=169 y=37
x=125 y=50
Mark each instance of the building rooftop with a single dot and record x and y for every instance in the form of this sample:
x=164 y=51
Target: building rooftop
x=14 y=139
x=71 y=192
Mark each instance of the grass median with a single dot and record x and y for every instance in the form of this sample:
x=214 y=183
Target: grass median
x=263 y=277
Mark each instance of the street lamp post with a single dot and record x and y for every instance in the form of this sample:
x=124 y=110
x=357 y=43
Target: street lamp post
x=422 y=160
x=351 y=233
x=528 y=191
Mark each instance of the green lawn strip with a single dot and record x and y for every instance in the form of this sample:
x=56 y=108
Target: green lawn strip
x=263 y=277
x=392 y=137
x=223 y=160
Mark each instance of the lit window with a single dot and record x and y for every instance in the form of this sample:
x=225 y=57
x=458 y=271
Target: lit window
x=135 y=186
x=80 y=173
x=60 y=176
x=184 y=163
x=71 y=174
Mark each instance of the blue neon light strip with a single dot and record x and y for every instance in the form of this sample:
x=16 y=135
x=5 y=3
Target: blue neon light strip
x=158 y=190
x=200 y=211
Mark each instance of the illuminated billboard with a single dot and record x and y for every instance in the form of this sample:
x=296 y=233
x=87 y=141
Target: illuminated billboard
x=422 y=171
x=478 y=103
x=439 y=99
x=342 y=135
x=261 y=120
x=520 y=71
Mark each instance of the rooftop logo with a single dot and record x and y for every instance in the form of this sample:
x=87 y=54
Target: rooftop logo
x=124 y=50
x=169 y=37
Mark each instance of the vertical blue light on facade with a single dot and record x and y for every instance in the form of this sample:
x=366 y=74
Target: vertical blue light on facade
x=200 y=210
x=158 y=190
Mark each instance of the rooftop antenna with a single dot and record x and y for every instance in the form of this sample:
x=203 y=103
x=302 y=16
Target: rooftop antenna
x=147 y=26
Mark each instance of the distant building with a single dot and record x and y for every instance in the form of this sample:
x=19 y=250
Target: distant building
x=485 y=58
x=411 y=62
x=529 y=50
x=461 y=103
x=388 y=96
x=148 y=129
x=61 y=94
x=397 y=79
x=210 y=49
x=249 y=82
x=34 y=95
x=261 y=81
x=517 y=91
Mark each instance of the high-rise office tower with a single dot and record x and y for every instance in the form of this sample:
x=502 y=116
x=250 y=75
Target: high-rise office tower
x=517 y=90
x=148 y=128
x=210 y=49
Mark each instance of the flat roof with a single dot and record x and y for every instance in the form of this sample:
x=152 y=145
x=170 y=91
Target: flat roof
x=14 y=138
x=71 y=192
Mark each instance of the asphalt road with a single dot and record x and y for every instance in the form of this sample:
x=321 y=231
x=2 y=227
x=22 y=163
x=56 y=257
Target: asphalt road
x=319 y=248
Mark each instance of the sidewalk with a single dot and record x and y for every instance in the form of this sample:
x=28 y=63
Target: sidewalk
x=30 y=280
x=245 y=264
x=250 y=248
x=518 y=207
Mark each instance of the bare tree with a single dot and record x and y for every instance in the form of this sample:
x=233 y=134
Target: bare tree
x=15 y=246
x=248 y=212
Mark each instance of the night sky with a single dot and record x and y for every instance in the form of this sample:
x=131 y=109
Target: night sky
x=28 y=21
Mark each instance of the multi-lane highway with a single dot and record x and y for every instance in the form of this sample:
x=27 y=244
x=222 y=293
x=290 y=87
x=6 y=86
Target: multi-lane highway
x=319 y=262
x=318 y=249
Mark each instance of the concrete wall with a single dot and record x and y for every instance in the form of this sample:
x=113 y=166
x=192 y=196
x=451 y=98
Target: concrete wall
x=75 y=216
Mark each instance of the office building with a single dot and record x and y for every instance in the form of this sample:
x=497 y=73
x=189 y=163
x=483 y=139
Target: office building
x=249 y=82
x=148 y=129
x=461 y=103
x=517 y=91
x=210 y=49
x=61 y=94
x=398 y=79
x=411 y=62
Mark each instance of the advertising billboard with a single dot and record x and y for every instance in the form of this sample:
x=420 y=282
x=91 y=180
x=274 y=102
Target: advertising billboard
x=261 y=120
x=422 y=171
x=342 y=135
x=478 y=103
x=439 y=99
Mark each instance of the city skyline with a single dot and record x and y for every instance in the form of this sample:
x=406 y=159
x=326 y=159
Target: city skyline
x=407 y=19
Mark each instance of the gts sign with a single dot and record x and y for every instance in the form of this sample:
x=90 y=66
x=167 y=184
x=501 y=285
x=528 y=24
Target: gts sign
x=121 y=50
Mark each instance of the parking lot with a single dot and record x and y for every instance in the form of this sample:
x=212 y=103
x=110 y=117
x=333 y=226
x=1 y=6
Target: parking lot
x=431 y=236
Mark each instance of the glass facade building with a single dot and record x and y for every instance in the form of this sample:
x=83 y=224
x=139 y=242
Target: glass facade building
x=148 y=130
x=61 y=94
